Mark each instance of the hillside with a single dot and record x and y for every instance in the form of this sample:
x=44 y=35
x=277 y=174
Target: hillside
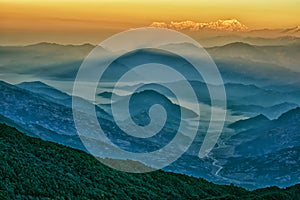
x=32 y=168
x=253 y=122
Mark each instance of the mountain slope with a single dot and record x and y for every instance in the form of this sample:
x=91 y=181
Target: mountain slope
x=272 y=136
x=263 y=152
x=43 y=89
x=32 y=168
x=280 y=167
x=40 y=115
x=258 y=120
x=50 y=93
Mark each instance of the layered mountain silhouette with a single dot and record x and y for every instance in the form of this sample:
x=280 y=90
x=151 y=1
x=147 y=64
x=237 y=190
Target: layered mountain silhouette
x=259 y=145
x=257 y=141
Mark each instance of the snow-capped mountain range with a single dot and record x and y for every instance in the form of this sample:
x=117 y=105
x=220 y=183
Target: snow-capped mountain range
x=223 y=25
x=227 y=26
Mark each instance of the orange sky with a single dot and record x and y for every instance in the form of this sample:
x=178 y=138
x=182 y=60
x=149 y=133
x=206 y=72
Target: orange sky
x=110 y=16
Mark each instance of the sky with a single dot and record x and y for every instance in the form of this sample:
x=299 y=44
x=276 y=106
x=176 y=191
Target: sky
x=32 y=20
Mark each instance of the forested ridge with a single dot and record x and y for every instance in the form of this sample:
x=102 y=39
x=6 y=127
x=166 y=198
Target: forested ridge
x=31 y=168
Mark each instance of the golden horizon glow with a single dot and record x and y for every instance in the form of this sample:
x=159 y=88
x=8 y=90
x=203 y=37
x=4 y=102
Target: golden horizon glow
x=65 y=16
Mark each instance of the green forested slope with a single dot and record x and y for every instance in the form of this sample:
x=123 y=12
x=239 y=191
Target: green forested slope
x=34 y=169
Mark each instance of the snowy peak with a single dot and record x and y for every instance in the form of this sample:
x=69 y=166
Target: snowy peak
x=228 y=25
x=219 y=25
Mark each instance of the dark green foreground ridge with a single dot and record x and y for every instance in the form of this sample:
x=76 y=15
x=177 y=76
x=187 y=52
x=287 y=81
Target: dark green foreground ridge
x=31 y=168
